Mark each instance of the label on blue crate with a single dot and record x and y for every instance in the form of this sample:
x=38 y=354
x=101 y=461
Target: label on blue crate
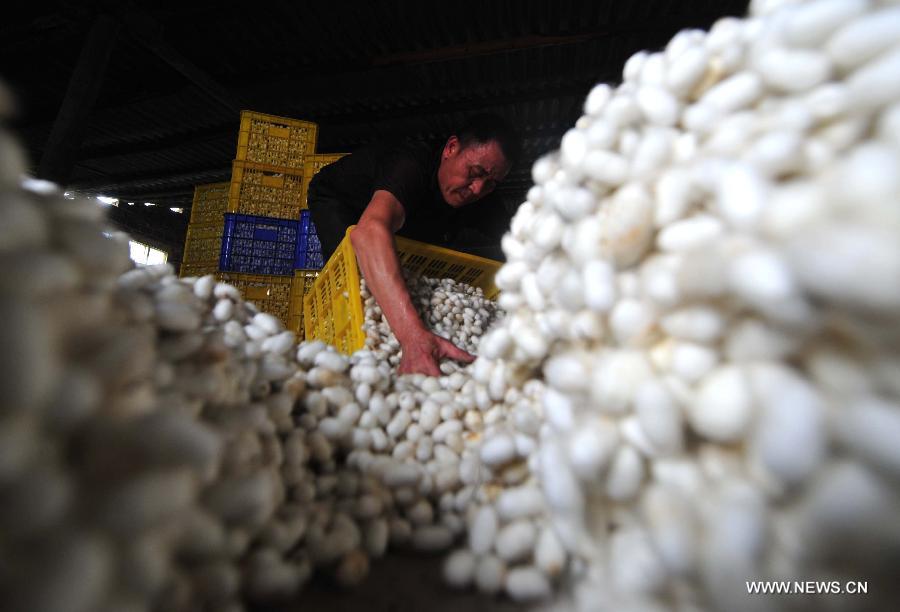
x=265 y=233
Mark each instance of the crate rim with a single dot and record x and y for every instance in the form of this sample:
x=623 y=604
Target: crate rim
x=253 y=165
x=276 y=118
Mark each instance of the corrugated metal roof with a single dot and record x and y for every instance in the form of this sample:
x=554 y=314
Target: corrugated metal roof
x=362 y=71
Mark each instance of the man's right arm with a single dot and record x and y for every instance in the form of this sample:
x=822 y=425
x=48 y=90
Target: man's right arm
x=373 y=243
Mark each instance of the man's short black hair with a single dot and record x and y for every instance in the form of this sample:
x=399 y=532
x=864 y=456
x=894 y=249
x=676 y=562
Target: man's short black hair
x=485 y=127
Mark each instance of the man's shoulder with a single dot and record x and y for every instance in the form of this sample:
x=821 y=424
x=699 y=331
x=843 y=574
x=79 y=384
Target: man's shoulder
x=416 y=147
x=381 y=156
x=409 y=160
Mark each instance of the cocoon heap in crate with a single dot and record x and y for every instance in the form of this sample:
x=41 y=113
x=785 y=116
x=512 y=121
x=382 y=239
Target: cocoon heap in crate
x=333 y=306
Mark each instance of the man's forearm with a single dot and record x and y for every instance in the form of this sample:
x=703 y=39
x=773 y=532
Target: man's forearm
x=374 y=247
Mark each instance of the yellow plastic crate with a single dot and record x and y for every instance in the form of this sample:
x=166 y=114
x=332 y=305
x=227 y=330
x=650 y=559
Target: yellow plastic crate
x=275 y=141
x=203 y=243
x=303 y=282
x=311 y=166
x=271 y=294
x=209 y=204
x=189 y=269
x=333 y=309
x=266 y=191
x=313 y=163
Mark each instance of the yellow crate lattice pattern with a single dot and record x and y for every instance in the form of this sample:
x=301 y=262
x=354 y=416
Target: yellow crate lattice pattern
x=302 y=284
x=313 y=163
x=209 y=203
x=188 y=269
x=275 y=141
x=203 y=244
x=266 y=191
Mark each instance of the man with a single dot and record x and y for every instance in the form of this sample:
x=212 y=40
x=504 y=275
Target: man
x=417 y=192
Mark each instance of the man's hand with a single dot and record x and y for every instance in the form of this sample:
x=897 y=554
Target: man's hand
x=424 y=352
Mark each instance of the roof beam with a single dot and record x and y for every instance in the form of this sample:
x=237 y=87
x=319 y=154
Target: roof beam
x=485 y=48
x=178 y=140
x=339 y=66
x=68 y=130
x=525 y=93
x=149 y=33
x=179 y=178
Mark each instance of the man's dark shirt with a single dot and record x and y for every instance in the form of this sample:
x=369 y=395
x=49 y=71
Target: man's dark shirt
x=340 y=192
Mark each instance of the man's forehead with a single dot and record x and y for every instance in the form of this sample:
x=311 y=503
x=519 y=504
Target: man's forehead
x=488 y=155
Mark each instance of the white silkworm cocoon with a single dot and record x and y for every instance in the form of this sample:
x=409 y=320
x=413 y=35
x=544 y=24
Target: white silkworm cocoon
x=592 y=447
x=516 y=541
x=794 y=70
x=549 y=554
x=490 y=574
x=527 y=584
x=401 y=475
x=734 y=93
x=596 y=100
x=691 y=233
x=811 y=24
x=724 y=405
x=658 y=105
x=483 y=530
x=459 y=568
x=519 y=503
x=431 y=538
x=686 y=70
x=498 y=450
x=789 y=436
x=268 y=323
x=445 y=429
x=626 y=472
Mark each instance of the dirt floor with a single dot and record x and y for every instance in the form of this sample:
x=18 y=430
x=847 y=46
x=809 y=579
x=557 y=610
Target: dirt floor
x=398 y=583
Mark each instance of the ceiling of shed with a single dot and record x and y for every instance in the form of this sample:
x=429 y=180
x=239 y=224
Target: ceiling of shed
x=165 y=113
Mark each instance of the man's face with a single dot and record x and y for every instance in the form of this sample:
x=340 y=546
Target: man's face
x=468 y=174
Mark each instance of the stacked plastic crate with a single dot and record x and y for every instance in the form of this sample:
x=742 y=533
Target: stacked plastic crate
x=203 y=240
x=264 y=231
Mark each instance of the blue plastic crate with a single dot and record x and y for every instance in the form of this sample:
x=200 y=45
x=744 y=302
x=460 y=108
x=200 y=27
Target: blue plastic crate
x=263 y=245
x=311 y=247
x=314 y=259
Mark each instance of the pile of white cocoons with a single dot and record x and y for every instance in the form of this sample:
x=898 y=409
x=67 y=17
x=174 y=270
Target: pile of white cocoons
x=706 y=279
x=166 y=446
